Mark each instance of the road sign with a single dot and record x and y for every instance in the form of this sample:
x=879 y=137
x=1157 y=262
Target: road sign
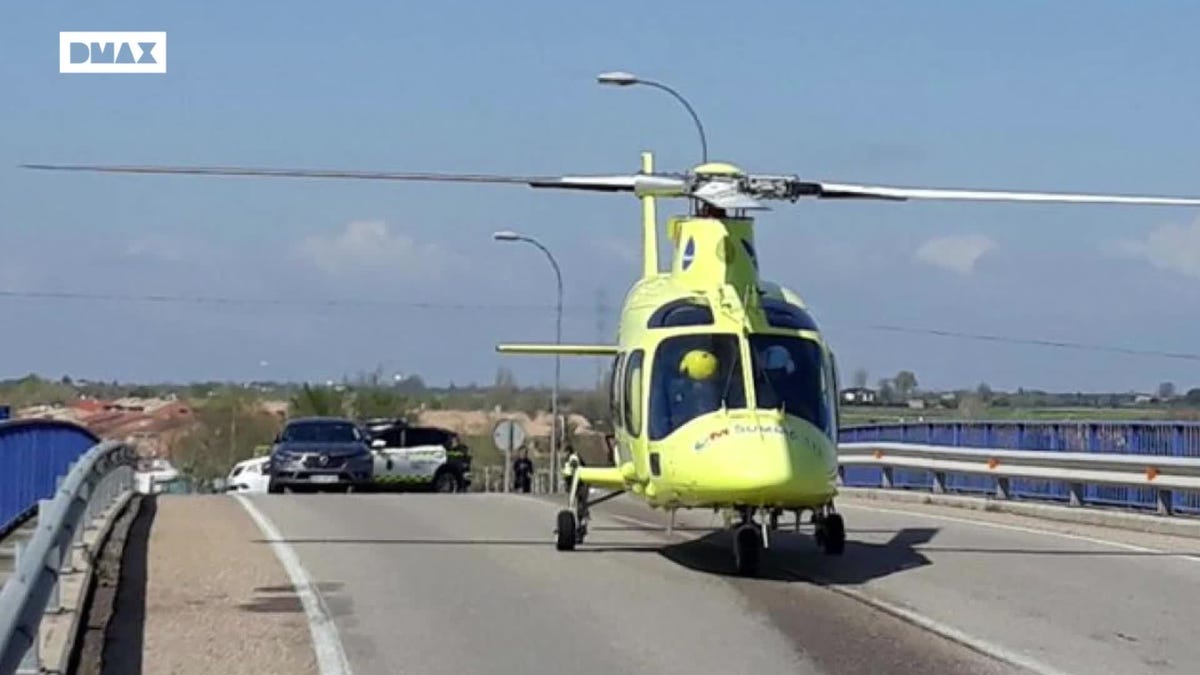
x=508 y=435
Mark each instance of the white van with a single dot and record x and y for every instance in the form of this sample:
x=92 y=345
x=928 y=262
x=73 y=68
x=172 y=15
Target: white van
x=248 y=476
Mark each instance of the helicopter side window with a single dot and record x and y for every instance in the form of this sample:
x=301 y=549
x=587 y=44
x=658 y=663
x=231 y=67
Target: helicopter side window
x=633 y=393
x=614 y=391
x=690 y=376
x=790 y=374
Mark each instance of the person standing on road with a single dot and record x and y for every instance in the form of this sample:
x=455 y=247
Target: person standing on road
x=523 y=472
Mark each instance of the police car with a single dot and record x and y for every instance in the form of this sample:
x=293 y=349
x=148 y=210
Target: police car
x=416 y=457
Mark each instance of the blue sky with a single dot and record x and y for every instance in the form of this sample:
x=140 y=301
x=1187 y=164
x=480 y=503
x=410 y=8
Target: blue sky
x=1095 y=96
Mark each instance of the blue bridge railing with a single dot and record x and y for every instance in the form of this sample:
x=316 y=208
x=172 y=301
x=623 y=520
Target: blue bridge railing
x=1171 y=439
x=33 y=454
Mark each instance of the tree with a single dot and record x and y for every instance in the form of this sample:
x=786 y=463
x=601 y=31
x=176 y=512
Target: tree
x=905 y=383
x=887 y=394
x=860 y=378
x=378 y=402
x=984 y=392
x=971 y=406
x=227 y=430
x=317 y=402
x=1166 y=391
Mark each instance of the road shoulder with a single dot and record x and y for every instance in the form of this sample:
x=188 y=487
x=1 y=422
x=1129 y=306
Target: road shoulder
x=217 y=598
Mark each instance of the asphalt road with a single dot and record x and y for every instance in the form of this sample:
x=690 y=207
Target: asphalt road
x=472 y=583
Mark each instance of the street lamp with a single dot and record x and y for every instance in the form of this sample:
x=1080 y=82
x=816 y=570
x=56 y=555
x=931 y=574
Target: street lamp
x=623 y=79
x=509 y=235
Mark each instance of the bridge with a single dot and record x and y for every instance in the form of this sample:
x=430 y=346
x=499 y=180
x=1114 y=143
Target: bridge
x=972 y=548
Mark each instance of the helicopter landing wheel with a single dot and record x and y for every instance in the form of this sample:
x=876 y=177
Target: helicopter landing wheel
x=567 y=531
x=830 y=533
x=747 y=547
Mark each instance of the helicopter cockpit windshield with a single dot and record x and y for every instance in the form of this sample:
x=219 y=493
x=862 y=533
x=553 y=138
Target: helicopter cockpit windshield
x=790 y=375
x=691 y=376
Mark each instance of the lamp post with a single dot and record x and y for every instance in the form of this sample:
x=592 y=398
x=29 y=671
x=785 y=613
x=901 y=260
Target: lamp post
x=623 y=79
x=508 y=235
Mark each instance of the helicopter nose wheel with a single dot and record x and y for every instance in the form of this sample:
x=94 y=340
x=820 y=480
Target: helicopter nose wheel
x=567 y=531
x=829 y=531
x=747 y=547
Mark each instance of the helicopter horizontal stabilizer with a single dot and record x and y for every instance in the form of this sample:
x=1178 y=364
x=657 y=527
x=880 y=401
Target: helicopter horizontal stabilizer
x=562 y=350
x=607 y=477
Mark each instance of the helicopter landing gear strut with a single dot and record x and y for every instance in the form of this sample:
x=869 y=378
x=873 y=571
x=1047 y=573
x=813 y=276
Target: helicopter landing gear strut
x=750 y=539
x=572 y=521
x=829 y=530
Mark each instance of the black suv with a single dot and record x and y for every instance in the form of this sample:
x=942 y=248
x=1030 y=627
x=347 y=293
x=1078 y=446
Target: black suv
x=319 y=452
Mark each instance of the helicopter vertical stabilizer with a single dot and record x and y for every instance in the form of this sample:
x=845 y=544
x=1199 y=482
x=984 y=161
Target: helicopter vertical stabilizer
x=649 y=224
x=714 y=251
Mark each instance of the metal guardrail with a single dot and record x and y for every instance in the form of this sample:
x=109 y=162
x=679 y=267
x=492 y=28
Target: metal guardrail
x=94 y=482
x=1136 y=438
x=33 y=454
x=1162 y=475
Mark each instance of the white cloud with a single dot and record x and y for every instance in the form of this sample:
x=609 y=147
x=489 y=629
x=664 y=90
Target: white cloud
x=1175 y=248
x=370 y=246
x=957 y=253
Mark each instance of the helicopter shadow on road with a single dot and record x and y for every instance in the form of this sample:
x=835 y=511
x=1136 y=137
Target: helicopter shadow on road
x=795 y=557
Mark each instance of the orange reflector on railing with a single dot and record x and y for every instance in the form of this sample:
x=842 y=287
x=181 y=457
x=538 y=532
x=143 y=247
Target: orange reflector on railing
x=993 y=462
x=1151 y=473
x=878 y=454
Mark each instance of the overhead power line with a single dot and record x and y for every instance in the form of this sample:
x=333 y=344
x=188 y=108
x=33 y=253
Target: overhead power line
x=1037 y=342
x=337 y=303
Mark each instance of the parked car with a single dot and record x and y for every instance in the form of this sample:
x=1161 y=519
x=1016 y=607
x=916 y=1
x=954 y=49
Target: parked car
x=319 y=453
x=248 y=476
x=415 y=457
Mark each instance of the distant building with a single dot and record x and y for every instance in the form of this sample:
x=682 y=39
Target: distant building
x=858 y=396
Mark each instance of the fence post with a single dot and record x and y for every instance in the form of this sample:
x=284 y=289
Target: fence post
x=1075 y=493
x=939 y=482
x=1002 y=488
x=1164 y=499
x=887 y=480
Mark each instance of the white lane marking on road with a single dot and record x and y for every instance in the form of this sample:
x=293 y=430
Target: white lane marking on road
x=1024 y=529
x=904 y=614
x=331 y=657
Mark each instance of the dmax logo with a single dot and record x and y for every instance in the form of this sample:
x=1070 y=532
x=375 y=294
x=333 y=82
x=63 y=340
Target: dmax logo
x=112 y=52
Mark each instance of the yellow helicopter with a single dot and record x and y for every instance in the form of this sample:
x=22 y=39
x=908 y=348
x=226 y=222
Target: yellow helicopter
x=724 y=392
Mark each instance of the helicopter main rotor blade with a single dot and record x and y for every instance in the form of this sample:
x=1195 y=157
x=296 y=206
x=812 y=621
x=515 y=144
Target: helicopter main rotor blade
x=598 y=183
x=849 y=191
x=663 y=185
x=296 y=173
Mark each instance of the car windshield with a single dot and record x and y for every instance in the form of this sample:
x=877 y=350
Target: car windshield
x=789 y=375
x=691 y=376
x=321 y=432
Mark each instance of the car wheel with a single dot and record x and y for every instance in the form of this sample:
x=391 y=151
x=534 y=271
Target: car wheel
x=445 y=482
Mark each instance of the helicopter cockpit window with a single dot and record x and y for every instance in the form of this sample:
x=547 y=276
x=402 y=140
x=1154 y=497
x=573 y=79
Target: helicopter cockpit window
x=690 y=376
x=790 y=375
x=681 y=313
x=782 y=314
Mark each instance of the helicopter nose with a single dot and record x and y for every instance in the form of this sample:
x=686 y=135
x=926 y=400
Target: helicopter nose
x=770 y=459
